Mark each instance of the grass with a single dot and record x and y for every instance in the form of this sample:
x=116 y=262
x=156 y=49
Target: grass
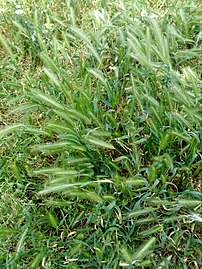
x=100 y=134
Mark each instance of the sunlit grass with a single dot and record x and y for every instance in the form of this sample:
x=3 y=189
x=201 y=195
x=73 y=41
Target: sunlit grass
x=100 y=134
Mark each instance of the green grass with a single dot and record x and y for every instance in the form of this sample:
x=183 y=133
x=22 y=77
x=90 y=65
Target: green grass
x=100 y=134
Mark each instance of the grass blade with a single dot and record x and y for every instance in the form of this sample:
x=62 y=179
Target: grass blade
x=9 y=129
x=100 y=143
x=21 y=241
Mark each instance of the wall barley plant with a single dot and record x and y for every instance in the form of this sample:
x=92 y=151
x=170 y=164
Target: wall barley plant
x=100 y=134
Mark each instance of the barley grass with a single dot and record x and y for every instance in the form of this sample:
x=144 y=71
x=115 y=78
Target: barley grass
x=100 y=134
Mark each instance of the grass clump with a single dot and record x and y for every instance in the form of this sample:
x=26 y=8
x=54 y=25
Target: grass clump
x=101 y=134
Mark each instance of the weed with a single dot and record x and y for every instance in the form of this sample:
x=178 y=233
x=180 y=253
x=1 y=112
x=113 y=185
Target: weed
x=100 y=134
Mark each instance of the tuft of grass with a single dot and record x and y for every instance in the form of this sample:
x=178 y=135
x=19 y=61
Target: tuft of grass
x=100 y=134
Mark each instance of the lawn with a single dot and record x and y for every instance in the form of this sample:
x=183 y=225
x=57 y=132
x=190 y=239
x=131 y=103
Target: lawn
x=100 y=134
